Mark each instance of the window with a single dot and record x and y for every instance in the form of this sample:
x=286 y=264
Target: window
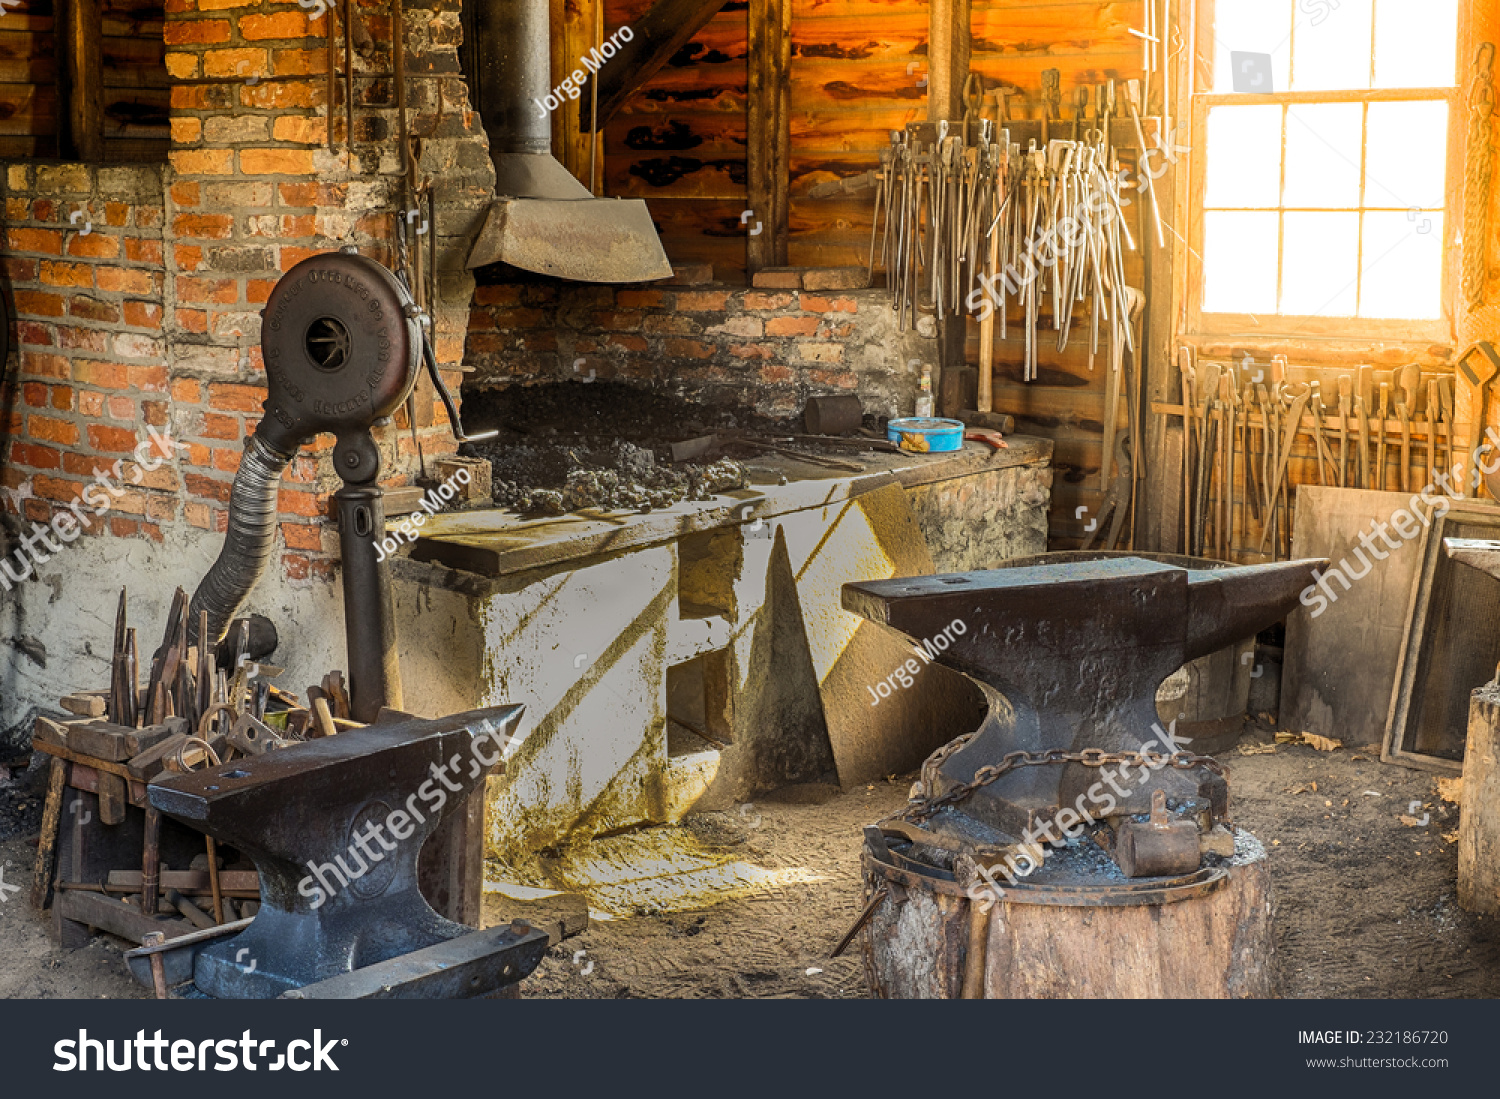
x=1324 y=180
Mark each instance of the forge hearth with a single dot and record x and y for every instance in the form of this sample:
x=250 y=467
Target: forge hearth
x=631 y=635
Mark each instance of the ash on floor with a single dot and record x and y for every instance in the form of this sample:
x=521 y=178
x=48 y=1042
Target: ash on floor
x=1366 y=903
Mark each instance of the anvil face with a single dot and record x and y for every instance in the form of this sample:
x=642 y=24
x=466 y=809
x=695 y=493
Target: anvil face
x=335 y=827
x=1070 y=656
x=1480 y=553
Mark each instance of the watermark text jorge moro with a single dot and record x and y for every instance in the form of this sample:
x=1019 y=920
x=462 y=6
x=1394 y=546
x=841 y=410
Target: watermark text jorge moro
x=905 y=674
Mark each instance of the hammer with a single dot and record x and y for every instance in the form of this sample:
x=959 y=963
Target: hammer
x=1479 y=376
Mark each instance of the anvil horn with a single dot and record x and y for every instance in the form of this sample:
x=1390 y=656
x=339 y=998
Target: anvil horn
x=1225 y=605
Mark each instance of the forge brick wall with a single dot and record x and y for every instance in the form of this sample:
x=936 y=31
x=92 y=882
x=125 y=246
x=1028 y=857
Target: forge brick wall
x=765 y=349
x=83 y=257
x=154 y=316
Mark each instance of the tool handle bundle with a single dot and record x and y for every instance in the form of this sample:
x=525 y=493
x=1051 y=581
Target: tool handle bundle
x=976 y=228
x=1246 y=426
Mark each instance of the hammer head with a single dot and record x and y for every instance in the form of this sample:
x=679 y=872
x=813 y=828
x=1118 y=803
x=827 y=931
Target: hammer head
x=1070 y=657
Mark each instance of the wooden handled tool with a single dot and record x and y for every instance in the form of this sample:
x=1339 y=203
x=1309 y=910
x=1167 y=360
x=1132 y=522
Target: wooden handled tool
x=1293 y=418
x=1364 y=400
x=1434 y=408
x=1385 y=410
x=1445 y=396
x=1189 y=386
x=1346 y=408
x=1479 y=371
x=1409 y=378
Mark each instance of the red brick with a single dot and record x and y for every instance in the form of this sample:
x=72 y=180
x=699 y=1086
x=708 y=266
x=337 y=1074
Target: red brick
x=202 y=32
x=287 y=24
x=38 y=303
x=776 y=374
x=142 y=314
x=34 y=394
x=186 y=391
x=90 y=403
x=625 y=343
x=152 y=379
x=83 y=339
x=44 y=366
x=56 y=488
x=791 y=326
x=53 y=273
x=767 y=301
x=219 y=291
x=300 y=130
x=616 y=322
x=272 y=162
x=497 y=295
x=121 y=408
x=221 y=427
x=640 y=299
x=52 y=431
x=17 y=269
x=114 y=440
x=94 y=246
x=201 y=162
x=124 y=280
x=48 y=241
x=36 y=457
x=751 y=351
x=102 y=375
x=295 y=502
x=811 y=303
x=236 y=398
x=703 y=301
x=139 y=250
x=61 y=397
x=227 y=461
x=302 y=537
x=192 y=320
x=299 y=194
x=92 y=309
x=116 y=214
x=207 y=488
x=688 y=349
x=204 y=226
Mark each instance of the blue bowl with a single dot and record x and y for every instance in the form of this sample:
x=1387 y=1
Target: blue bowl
x=925 y=434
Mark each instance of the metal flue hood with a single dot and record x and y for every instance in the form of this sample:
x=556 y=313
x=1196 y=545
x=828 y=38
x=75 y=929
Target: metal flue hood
x=543 y=219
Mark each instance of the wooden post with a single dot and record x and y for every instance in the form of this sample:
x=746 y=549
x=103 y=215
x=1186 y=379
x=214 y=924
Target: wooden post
x=46 y=848
x=948 y=46
x=1479 y=817
x=769 y=134
x=81 y=79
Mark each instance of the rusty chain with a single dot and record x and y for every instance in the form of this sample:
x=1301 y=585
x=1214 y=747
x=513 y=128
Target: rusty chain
x=921 y=807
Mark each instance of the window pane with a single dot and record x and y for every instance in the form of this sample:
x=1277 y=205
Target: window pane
x=1244 y=156
x=1239 y=262
x=1319 y=265
x=1403 y=258
x=1252 y=26
x=1414 y=43
x=1331 y=46
x=1322 y=155
x=1406 y=154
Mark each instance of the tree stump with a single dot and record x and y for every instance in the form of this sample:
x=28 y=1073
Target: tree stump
x=1479 y=817
x=1209 y=939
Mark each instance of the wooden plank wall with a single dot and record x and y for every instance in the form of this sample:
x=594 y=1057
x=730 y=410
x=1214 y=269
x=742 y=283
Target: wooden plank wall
x=1089 y=43
x=135 y=80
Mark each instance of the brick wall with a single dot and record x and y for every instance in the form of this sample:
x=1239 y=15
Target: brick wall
x=767 y=349
x=154 y=317
x=83 y=257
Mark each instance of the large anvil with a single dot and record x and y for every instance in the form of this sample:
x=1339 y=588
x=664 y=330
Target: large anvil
x=1070 y=656
x=335 y=827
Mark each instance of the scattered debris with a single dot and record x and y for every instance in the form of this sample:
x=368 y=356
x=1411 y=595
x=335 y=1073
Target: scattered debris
x=1312 y=740
x=1451 y=837
x=1451 y=790
x=1257 y=749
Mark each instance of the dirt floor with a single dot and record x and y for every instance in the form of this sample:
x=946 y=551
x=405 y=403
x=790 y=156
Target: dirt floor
x=1365 y=901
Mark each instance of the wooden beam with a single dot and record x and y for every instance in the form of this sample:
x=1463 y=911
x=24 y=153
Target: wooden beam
x=949 y=43
x=657 y=35
x=81 y=78
x=769 y=134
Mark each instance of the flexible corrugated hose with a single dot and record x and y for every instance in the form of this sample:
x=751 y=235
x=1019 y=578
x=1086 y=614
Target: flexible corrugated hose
x=249 y=541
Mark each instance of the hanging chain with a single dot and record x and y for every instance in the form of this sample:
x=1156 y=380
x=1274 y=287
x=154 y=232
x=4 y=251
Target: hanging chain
x=922 y=807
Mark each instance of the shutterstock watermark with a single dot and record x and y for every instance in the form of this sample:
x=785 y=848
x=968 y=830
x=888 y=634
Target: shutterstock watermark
x=905 y=675
x=97 y=497
x=370 y=847
x=1402 y=526
x=1094 y=804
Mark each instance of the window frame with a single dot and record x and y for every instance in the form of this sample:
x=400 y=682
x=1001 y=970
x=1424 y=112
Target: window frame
x=1353 y=330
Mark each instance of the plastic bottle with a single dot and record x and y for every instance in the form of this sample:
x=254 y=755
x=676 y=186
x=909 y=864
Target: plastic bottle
x=924 y=394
